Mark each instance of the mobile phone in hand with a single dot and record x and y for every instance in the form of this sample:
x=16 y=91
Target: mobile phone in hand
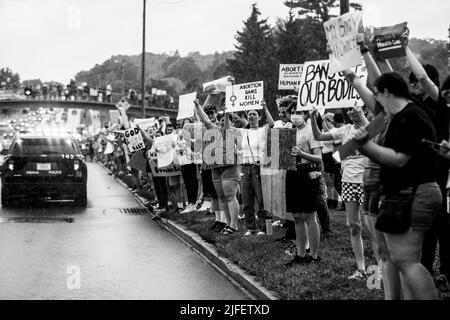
x=436 y=146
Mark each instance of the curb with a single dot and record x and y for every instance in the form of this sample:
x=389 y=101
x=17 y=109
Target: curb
x=232 y=272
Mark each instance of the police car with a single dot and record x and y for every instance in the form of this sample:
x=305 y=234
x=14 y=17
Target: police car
x=48 y=168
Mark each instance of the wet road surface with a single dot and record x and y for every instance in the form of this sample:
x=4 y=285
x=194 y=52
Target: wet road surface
x=46 y=252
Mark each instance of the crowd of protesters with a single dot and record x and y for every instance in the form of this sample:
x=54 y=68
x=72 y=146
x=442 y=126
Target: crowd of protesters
x=394 y=183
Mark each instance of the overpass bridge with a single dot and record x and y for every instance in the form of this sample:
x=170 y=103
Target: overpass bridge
x=132 y=112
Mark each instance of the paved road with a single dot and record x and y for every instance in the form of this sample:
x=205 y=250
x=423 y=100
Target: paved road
x=118 y=256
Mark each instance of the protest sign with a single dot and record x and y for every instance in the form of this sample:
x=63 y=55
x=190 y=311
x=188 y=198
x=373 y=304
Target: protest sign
x=133 y=139
x=341 y=36
x=289 y=76
x=164 y=149
x=277 y=151
x=114 y=116
x=170 y=171
x=145 y=124
x=193 y=135
x=186 y=105
x=183 y=151
x=321 y=88
x=217 y=85
x=387 y=41
x=245 y=96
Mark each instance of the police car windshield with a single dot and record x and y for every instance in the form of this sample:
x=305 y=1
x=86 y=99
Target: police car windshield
x=47 y=146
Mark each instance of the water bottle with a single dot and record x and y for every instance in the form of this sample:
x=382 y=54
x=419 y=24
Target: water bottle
x=269 y=230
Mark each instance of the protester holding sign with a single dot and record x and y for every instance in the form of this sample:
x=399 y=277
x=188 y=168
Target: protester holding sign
x=410 y=195
x=226 y=177
x=303 y=189
x=424 y=81
x=352 y=182
x=253 y=139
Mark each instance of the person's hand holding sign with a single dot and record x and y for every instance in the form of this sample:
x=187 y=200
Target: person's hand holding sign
x=297 y=151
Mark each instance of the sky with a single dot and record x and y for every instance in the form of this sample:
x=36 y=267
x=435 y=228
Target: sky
x=54 y=39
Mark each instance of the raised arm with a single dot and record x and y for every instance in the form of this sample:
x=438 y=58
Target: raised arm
x=429 y=86
x=366 y=95
x=318 y=135
x=147 y=139
x=203 y=116
x=269 y=118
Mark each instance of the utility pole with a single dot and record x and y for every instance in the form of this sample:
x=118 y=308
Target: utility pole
x=143 y=65
x=345 y=6
x=448 y=51
x=122 y=69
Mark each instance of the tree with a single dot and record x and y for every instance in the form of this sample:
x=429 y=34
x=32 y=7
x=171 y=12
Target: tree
x=255 y=56
x=9 y=79
x=318 y=9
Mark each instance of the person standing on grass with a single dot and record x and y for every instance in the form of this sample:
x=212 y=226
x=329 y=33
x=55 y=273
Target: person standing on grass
x=251 y=175
x=408 y=169
x=226 y=177
x=424 y=83
x=303 y=188
x=352 y=183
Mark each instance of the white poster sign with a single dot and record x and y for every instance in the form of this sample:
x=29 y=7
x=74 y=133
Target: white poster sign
x=114 y=116
x=341 y=36
x=245 y=96
x=186 y=105
x=164 y=150
x=321 y=88
x=133 y=138
x=289 y=76
x=217 y=85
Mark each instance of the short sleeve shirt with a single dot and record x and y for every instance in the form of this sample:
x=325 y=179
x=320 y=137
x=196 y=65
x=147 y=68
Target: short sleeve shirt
x=404 y=134
x=352 y=166
x=305 y=140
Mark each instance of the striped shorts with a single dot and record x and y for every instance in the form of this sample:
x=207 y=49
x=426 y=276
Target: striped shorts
x=353 y=192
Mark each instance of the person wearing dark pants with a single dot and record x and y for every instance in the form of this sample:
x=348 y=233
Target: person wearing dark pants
x=161 y=192
x=251 y=191
x=189 y=172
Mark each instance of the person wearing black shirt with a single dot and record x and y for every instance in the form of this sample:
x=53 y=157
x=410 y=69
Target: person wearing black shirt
x=406 y=163
x=424 y=82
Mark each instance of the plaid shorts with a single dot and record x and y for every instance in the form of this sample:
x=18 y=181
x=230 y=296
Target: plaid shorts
x=353 y=192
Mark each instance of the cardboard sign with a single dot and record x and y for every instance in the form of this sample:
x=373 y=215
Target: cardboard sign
x=123 y=103
x=217 y=85
x=341 y=36
x=133 y=139
x=278 y=149
x=245 y=96
x=145 y=124
x=387 y=41
x=164 y=150
x=321 y=88
x=114 y=116
x=289 y=76
x=186 y=106
x=253 y=144
x=170 y=171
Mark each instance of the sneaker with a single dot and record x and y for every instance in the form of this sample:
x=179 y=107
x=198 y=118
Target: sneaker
x=189 y=208
x=277 y=223
x=248 y=233
x=228 y=230
x=261 y=233
x=206 y=205
x=297 y=260
x=241 y=216
x=358 y=275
